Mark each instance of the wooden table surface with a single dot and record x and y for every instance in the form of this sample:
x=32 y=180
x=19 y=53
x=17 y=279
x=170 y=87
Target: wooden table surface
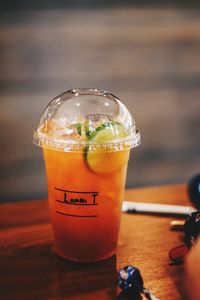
x=30 y=269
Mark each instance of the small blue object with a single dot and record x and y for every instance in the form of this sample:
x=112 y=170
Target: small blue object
x=131 y=282
x=130 y=279
x=194 y=190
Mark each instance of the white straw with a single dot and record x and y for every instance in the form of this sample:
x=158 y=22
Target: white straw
x=135 y=207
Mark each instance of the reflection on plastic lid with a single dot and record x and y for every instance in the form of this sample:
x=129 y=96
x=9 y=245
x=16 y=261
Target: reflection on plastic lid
x=86 y=118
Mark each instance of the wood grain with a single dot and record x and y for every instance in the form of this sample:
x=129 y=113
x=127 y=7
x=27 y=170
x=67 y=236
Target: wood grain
x=30 y=269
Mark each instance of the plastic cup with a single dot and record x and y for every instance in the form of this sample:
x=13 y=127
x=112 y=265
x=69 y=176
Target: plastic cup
x=86 y=136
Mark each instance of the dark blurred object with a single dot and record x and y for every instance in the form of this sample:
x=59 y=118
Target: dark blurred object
x=192 y=228
x=192 y=232
x=194 y=190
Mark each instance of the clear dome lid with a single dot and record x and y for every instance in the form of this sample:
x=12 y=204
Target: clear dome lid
x=88 y=119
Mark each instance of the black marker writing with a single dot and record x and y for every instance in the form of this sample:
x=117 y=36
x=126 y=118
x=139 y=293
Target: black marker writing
x=73 y=198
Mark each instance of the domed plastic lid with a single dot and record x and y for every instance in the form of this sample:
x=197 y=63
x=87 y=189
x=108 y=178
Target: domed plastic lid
x=85 y=120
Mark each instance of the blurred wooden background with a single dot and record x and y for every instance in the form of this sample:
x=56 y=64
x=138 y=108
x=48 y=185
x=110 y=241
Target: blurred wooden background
x=149 y=57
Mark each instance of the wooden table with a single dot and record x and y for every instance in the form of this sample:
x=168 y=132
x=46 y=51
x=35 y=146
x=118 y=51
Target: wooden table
x=30 y=269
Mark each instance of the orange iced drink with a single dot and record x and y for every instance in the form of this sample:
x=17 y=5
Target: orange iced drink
x=86 y=136
x=85 y=206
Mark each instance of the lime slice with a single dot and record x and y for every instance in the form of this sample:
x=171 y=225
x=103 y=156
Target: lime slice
x=108 y=132
x=103 y=160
